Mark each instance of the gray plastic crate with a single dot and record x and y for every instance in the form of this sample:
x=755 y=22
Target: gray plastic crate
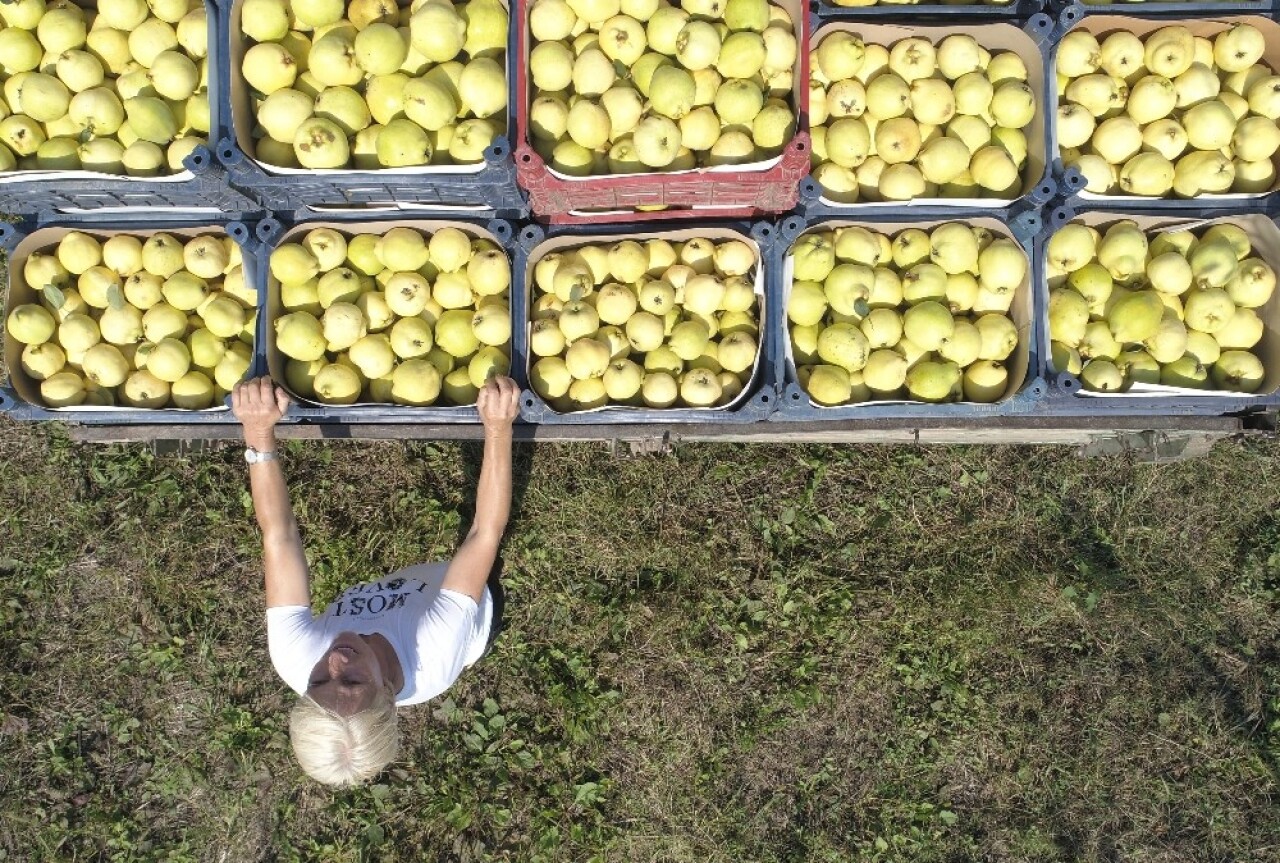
x=757 y=401
x=1014 y=12
x=278 y=228
x=1068 y=12
x=1039 y=27
x=13 y=235
x=1064 y=396
x=796 y=406
x=1070 y=182
x=488 y=192
x=53 y=193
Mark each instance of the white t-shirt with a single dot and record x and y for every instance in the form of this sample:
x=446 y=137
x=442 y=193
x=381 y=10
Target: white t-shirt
x=435 y=633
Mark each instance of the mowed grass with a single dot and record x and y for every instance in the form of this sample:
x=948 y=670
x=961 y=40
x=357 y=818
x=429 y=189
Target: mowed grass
x=727 y=655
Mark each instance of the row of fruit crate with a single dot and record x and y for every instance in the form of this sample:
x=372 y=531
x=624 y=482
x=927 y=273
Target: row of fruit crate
x=760 y=111
x=369 y=319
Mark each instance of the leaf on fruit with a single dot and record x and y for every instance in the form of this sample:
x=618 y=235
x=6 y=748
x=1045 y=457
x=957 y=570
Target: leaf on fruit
x=115 y=297
x=54 y=296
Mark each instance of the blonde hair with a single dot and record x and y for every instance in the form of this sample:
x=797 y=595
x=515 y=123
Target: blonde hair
x=344 y=750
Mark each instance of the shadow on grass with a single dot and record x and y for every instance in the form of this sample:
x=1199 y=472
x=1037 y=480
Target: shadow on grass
x=1250 y=722
x=1258 y=558
x=1093 y=554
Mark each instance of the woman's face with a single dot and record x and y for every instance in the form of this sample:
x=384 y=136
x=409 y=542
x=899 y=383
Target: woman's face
x=347 y=678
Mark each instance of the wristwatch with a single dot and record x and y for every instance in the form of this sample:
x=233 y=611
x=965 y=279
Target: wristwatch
x=253 y=456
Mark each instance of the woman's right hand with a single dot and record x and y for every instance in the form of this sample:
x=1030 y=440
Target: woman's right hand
x=259 y=404
x=499 y=404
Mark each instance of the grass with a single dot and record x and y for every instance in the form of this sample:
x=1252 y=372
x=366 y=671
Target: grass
x=728 y=654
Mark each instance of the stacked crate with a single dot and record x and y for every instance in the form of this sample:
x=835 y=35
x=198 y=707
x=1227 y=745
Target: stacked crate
x=1099 y=205
x=1023 y=33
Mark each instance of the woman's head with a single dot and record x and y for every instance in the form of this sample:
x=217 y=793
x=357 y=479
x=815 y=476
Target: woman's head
x=344 y=750
x=344 y=729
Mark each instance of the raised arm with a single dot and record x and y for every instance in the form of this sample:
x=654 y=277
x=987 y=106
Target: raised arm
x=498 y=403
x=259 y=405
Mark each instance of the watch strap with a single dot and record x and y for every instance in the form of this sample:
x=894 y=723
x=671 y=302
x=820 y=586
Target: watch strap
x=255 y=456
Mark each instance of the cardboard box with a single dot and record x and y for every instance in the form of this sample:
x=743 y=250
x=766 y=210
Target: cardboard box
x=215 y=55
x=44 y=240
x=243 y=118
x=799 y=100
x=276 y=360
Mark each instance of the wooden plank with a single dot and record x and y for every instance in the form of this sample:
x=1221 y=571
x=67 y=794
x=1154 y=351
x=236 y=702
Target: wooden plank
x=1014 y=430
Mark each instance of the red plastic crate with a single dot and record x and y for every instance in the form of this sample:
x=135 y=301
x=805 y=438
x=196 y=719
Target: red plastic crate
x=613 y=217
x=702 y=193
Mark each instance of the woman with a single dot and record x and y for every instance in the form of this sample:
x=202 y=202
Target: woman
x=397 y=641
